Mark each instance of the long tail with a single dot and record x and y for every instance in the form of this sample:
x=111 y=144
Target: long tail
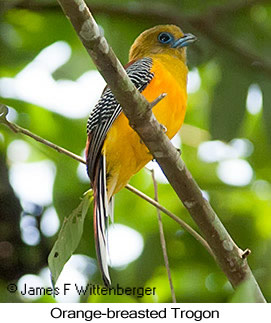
x=102 y=211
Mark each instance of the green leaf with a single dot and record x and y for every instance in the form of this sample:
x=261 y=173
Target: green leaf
x=68 y=237
x=229 y=102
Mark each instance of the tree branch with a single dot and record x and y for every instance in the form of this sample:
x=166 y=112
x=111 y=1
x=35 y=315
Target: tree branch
x=137 y=110
x=233 y=7
x=215 y=12
x=160 y=13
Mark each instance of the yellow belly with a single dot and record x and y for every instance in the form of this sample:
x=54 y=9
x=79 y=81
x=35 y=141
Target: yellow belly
x=124 y=151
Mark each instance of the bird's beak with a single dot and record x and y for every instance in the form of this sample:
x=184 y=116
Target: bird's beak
x=184 y=41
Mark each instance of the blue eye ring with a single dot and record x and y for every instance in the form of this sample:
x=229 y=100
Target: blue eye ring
x=165 y=38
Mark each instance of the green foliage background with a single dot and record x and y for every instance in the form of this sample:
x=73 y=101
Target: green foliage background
x=216 y=111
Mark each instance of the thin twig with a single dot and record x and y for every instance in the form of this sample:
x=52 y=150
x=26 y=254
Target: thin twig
x=157 y=100
x=246 y=253
x=182 y=223
x=162 y=239
x=17 y=129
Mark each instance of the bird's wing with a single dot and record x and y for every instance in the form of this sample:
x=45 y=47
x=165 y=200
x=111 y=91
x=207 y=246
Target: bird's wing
x=101 y=119
x=107 y=110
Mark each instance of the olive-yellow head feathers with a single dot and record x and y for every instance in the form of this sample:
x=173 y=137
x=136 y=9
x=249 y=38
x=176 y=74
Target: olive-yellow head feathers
x=162 y=39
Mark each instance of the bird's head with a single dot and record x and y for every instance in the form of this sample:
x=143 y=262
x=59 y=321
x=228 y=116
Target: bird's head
x=163 y=39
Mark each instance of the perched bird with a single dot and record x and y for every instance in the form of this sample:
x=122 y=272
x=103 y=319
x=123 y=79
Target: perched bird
x=114 y=151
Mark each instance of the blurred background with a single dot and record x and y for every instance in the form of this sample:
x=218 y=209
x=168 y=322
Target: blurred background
x=50 y=85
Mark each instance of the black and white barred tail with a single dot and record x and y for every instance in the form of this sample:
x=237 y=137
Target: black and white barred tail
x=100 y=121
x=103 y=210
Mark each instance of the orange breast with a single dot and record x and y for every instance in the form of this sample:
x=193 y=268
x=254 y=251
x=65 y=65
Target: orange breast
x=124 y=151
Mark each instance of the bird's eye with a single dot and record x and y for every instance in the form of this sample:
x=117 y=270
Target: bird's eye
x=165 y=38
